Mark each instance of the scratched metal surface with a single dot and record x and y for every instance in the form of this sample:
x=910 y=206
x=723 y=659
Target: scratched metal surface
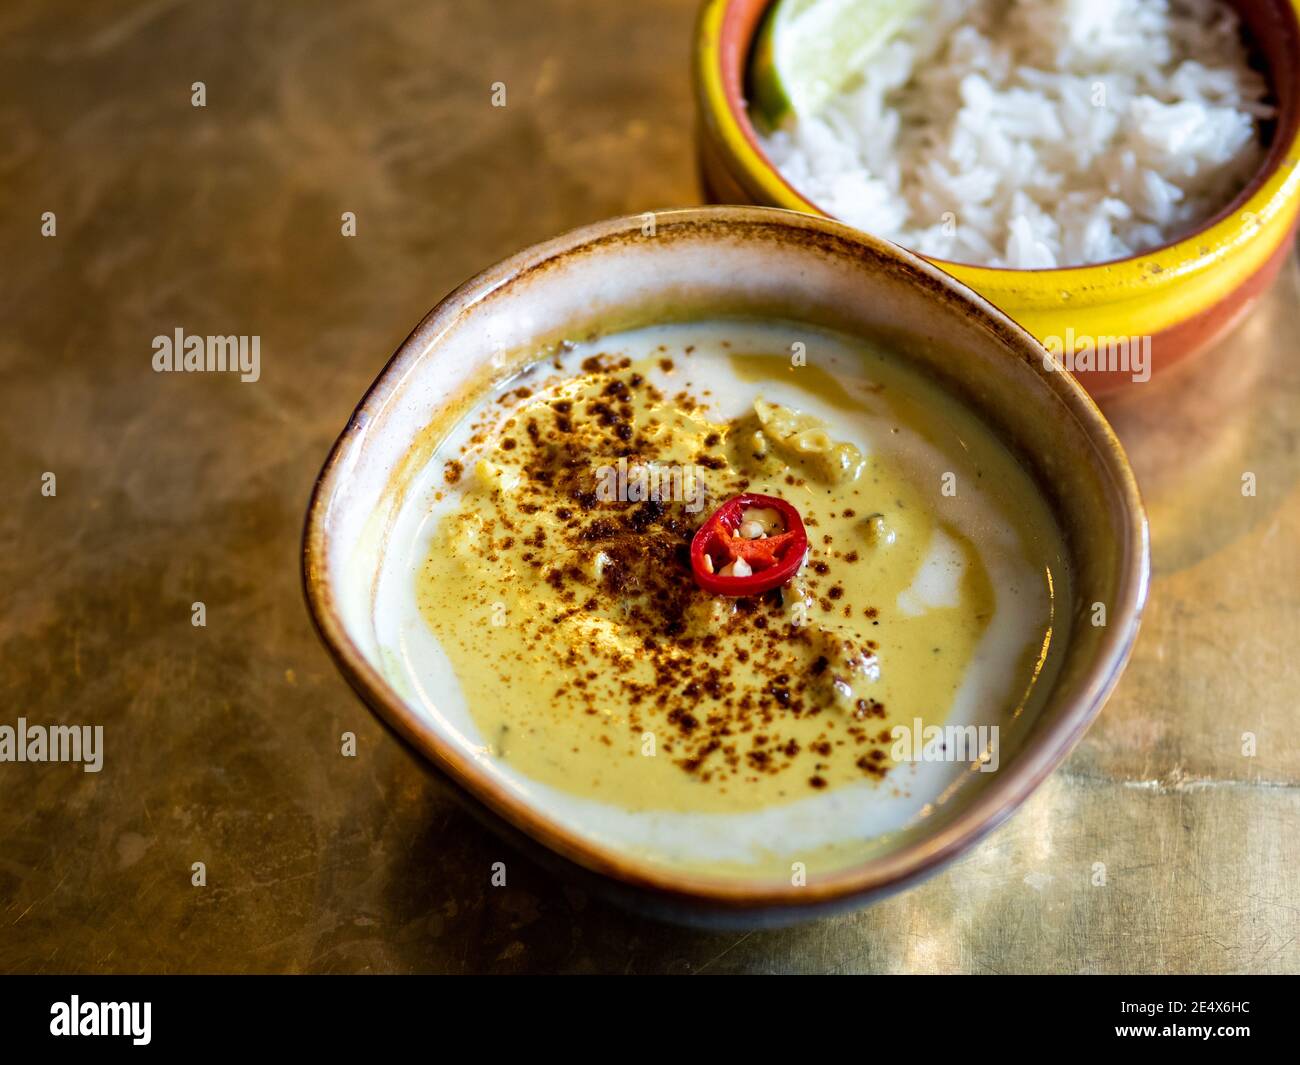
x=222 y=743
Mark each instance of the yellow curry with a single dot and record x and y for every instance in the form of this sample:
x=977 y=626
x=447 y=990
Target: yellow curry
x=558 y=582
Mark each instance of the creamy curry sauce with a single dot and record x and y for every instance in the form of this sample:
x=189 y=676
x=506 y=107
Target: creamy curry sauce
x=591 y=662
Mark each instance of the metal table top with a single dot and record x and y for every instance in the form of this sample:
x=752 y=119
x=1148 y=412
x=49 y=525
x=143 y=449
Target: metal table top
x=221 y=742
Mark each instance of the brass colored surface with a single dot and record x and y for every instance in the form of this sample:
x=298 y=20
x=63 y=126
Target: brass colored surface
x=222 y=743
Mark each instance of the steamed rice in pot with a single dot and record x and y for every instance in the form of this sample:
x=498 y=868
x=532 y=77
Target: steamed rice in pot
x=1038 y=133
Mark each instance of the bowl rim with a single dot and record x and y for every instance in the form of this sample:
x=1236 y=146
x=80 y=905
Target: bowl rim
x=876 y=876
x=1266 y=194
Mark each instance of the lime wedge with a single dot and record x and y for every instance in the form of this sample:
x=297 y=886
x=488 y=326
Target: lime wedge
x=807 y=50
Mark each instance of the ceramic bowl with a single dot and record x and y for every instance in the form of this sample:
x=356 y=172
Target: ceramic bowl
x=695 y=264
x=1184 y=295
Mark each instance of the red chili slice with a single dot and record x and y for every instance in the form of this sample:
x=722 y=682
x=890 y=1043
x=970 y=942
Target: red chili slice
x=774 y=559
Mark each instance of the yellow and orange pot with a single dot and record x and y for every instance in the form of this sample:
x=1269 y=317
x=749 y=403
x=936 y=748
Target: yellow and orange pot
x=1184 y=295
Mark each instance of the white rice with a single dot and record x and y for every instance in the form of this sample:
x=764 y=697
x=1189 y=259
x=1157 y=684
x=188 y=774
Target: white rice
x=1038 y=133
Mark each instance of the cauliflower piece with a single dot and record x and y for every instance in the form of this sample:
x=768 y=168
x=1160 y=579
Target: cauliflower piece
x=801 y=438
x=495 y=477
x=844 y=673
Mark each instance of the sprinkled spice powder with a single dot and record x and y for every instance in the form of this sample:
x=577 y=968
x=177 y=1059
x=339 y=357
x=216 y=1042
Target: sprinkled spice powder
x=559 y=583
